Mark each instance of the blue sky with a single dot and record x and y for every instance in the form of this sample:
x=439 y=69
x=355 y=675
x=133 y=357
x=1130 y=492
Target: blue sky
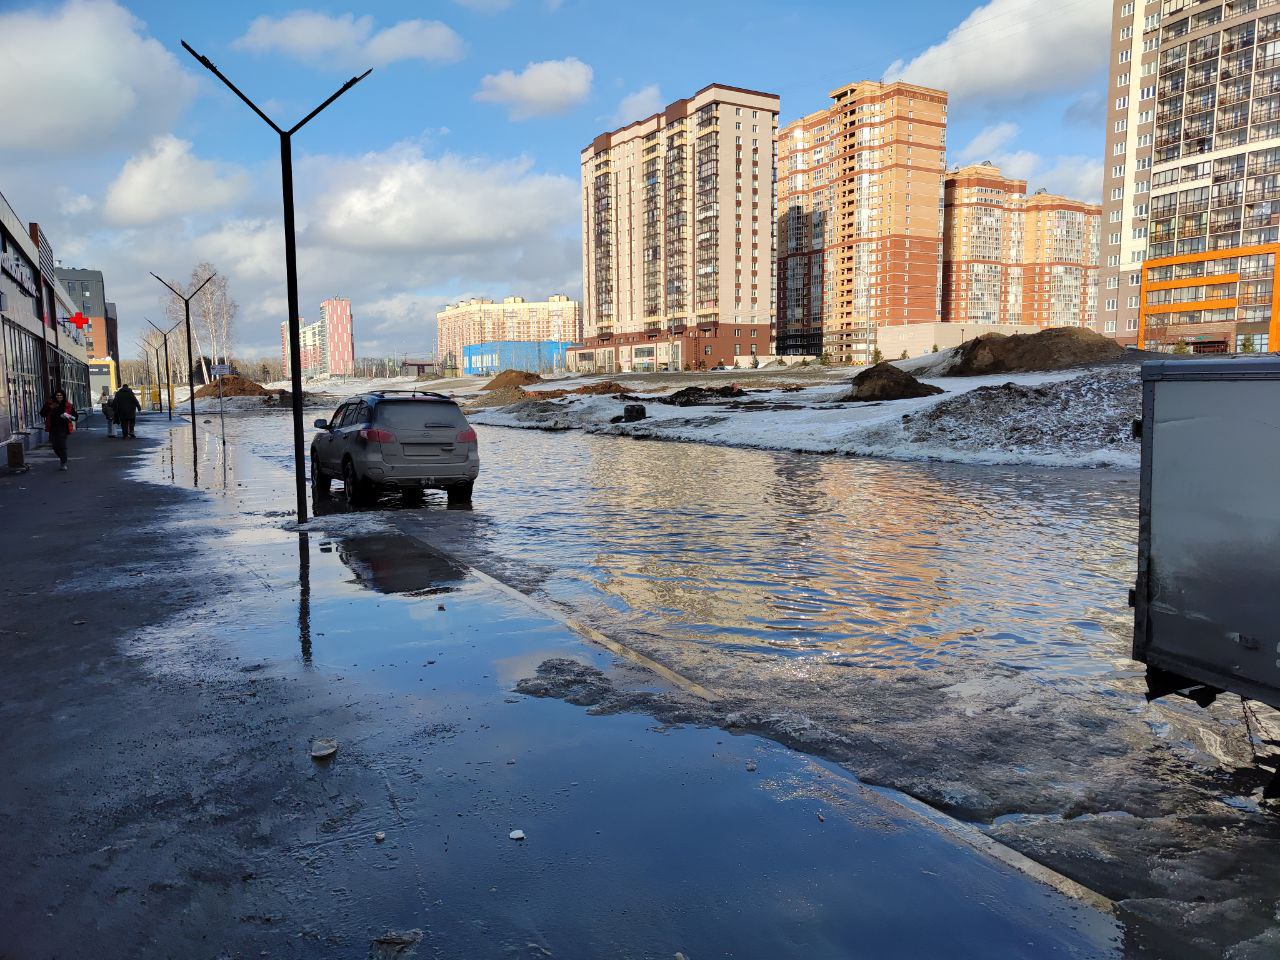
x=452 y=170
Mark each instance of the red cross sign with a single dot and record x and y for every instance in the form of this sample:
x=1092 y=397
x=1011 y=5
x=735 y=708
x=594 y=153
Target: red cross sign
x=80 y=320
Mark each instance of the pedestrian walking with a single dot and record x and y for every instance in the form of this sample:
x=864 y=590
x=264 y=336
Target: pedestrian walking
x=108 y=404
x=126 y=410
x=59 y=422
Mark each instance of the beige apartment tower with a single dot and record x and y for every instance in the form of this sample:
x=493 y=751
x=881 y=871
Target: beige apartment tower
x=860 y=189
x=478 y=320
x=677 y=235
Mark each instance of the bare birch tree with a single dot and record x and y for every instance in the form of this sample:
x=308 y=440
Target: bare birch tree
x=213 y=314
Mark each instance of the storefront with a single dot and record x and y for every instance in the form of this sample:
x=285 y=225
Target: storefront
x=40 y=350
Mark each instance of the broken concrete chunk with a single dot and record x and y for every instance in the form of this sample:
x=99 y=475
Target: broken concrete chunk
x=324 y=748
x=516 y=834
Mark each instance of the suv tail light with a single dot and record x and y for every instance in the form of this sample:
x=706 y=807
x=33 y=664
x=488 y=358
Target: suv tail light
x=377 y=435
x=467 y=436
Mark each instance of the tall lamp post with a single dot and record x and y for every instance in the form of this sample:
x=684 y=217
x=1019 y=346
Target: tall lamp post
x=191 y=363
x=290 y=259
x=168 y=376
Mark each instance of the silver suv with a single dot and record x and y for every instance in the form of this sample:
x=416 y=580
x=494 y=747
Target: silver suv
x=410 y=441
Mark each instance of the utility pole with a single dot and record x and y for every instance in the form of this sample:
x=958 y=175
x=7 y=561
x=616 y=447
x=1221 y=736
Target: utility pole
x=191 y=363
x=290 y=259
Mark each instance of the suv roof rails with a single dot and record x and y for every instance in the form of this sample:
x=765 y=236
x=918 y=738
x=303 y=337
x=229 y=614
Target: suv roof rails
x=412 y=393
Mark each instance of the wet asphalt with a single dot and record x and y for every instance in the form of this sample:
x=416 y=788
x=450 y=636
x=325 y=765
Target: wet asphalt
x=170 y=653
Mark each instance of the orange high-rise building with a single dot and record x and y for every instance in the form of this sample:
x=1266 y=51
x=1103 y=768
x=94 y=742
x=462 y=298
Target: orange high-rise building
x=982 y=256
x=1014 y=259
x=1060 y=262
x=860 y=219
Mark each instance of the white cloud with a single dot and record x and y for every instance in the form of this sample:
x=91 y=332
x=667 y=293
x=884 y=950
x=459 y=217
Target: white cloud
x=400 y=232
x=645 y=102
x=85 y=75
x=348 y=41
x=1078 y=177
x=73 y=206
x=167 y=181
x=540 y=89
x=988 y=142
x=402 y=200
x=1011 y=50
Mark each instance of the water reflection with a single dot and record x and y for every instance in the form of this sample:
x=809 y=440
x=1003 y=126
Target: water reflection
x=390 y=564
x=304 y=596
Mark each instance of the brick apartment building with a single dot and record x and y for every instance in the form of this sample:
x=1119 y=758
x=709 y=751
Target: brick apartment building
x=860 y=229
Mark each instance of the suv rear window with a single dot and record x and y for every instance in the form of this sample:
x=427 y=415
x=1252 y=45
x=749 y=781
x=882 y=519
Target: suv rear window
x=415 y=414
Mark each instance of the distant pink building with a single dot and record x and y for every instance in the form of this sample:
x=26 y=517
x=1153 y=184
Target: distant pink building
x=328 y=345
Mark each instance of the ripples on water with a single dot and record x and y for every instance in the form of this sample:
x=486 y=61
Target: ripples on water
x=867 y=562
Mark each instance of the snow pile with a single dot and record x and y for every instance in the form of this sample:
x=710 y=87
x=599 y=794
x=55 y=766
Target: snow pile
x=1062 y=419
x=1085 y=420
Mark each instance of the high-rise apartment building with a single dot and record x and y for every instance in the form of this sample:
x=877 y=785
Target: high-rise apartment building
x=860 y=188
x=982 y=249
x=339 y=335
x=1126 y=184
x=1015 y=259
x=327 y=347
x=469 y=322
x=1060 y=262
x=1209 y=278
x=678 y=235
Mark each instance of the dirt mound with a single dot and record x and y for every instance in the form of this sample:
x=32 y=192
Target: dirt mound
x=692 y=396
x=512 y=378
x=234 y=386
x=1055 y=349
x=500 y=398
x=884 y=381
x=1090 y=412
x=606 y=388
x=601 y=389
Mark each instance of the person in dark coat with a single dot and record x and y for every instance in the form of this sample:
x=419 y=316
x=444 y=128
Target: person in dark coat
x=126 y=408
x=59 y=421
x=108 y=404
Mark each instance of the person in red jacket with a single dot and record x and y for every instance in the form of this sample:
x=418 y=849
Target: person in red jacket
x=60 y=417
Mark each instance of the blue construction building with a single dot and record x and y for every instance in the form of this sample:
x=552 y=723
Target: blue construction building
x=538 y=356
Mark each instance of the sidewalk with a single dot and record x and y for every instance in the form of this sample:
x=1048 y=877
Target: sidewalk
x=169 y=655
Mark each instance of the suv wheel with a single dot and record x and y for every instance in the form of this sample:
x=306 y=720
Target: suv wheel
x=461 y=492
x=320 y=481
x=355 y=490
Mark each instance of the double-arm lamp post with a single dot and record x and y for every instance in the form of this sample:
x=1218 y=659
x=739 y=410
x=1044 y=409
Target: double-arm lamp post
x=290 y=260
x=168 y=376
x=191 y=363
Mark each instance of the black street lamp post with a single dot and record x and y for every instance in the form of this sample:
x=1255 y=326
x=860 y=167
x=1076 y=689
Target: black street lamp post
x=168 y=376
x=290 y=259
x=191 y=363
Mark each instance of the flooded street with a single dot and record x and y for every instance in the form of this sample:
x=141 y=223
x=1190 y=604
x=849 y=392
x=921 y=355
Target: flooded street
x=865 y=563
